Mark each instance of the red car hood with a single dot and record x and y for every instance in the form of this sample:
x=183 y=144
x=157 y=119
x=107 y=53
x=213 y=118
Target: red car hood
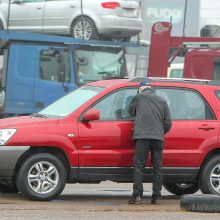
x=23 y=121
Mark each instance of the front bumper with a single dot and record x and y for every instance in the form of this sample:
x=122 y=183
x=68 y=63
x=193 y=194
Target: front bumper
x=9 y=157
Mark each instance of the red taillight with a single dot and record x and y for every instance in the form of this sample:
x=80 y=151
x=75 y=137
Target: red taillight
x=110 y=5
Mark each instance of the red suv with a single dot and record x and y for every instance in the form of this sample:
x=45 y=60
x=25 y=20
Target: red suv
x=86 y=136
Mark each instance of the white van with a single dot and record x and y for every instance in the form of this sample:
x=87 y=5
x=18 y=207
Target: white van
x=175 y=70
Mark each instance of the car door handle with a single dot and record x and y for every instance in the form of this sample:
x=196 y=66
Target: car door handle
x=206 y=127
x=72 y=6
x=39 y=8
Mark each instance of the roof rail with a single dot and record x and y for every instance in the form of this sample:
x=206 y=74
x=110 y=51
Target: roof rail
x=139 y=79
x=183 y=80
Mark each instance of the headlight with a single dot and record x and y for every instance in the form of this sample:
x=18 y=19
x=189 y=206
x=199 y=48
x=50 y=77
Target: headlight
x=5 y=135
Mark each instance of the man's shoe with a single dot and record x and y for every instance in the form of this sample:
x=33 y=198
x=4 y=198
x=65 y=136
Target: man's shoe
x=156 y=201
x=135 y=201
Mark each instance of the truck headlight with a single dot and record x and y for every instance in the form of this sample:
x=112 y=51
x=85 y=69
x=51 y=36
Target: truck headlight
x=6 y=134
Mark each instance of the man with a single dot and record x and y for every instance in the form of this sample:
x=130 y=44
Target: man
x=152 y=121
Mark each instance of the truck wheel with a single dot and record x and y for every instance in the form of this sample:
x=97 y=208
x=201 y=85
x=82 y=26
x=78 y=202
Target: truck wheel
x=90 y=31
x=210 y=177
x=181 y=188
x=200 y=203
x=41 y=177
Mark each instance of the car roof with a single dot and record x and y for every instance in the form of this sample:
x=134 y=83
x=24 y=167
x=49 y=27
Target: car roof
x=155 y=81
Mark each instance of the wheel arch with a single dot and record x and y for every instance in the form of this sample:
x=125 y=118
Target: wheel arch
x=210 y=154
x=85 y=16
x=51 y=150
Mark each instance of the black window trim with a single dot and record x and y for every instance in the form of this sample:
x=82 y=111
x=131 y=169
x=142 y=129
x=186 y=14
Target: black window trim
x=200 y=95
x=80 y=119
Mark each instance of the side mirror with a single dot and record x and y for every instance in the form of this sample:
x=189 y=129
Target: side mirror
x=91 y=115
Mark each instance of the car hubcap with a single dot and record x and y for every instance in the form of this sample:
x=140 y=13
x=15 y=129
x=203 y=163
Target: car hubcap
x=215 y=178
x=43 y=177
x=83 y=31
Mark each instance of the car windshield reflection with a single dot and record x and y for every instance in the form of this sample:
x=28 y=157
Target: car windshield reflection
x=71 y=102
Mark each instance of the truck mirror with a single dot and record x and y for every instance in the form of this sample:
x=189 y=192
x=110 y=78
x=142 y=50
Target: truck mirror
x=82 y=61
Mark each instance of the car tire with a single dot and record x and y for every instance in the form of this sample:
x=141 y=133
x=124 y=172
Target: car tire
x=90 y=29
x=209 y=176
x=181 y=188
x=41 y=177
x=200 y=203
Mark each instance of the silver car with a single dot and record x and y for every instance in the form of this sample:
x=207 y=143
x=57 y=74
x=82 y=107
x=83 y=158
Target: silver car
x=93 y=19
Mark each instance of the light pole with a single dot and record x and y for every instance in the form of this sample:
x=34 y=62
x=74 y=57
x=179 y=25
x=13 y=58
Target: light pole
x=8 y=17
x=184 y=19
x=83 y=21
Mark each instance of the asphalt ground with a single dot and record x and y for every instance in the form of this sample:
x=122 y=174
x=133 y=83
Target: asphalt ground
x=105 y=201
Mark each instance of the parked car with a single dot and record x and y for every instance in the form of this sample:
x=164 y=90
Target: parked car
x=86 y=136
x=119 y=19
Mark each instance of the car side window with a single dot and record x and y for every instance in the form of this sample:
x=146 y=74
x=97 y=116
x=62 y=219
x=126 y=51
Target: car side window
x=185 y=104
x=54 y=64
x=115 y=105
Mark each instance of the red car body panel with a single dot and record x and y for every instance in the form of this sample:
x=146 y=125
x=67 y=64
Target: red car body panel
x=109 y=143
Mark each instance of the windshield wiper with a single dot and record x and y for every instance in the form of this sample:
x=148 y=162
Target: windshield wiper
x=37 y=115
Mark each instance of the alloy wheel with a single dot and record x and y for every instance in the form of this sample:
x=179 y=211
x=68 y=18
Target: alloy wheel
x=43 y=177
x=215 y=178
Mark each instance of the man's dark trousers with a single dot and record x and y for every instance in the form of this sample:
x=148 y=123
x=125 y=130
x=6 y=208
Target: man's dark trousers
x=142 y=148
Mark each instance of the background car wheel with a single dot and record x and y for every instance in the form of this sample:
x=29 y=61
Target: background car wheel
x=181 y=188
x=86 y=31
x=200 y=203
x=42 y=177
x=210 y=177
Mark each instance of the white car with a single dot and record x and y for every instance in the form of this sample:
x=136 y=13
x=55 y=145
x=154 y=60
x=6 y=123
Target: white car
x=83 y=19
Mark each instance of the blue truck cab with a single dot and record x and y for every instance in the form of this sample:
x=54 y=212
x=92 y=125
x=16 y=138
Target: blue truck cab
x=36 y=70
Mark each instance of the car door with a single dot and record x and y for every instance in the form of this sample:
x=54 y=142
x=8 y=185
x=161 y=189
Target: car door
x=107 y=143
x=26 y=15
x=194 y=127
x=58 y=15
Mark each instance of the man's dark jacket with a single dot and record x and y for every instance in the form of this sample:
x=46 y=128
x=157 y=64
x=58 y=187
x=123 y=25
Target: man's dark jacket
x=152 y=116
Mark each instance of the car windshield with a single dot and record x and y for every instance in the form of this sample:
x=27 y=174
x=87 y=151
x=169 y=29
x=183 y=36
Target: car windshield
x=71 y=102
x=105 y=63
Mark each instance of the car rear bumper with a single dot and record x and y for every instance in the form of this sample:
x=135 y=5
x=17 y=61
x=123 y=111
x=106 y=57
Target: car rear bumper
x=9 y=157
x=120 y=27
